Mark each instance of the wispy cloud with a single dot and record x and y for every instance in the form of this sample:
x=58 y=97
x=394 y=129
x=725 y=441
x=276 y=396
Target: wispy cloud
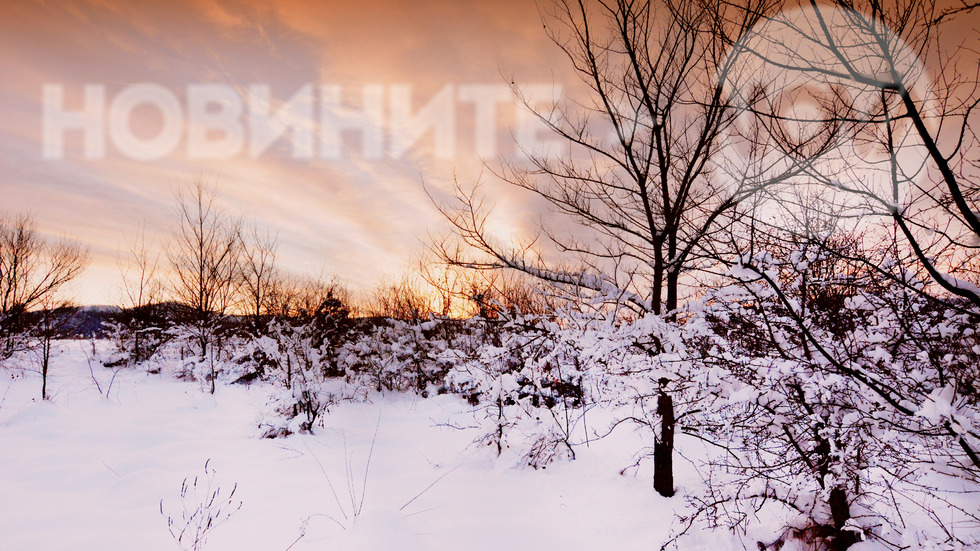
x=356 y=218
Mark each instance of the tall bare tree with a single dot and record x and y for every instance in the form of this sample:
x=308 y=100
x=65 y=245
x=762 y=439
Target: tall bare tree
x=903 y=169
x=640 y=191
x=639 y=185
x=204 y=255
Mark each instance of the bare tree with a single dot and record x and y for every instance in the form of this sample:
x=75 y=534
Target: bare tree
x=446 y=282
x=639 y=184
x=903 y=163
x=402 y=299
x=639 y=191
x=142 y=290
x=204 y=255
x=259 y=274
x=48 y=324
x=909 y=168
x=458 y=291
x=32 y=272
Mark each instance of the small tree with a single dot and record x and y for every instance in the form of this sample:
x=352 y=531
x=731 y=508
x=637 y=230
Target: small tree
x=137 y=321
x=32 y=272
x=310 y=322
x=403 y=299
x=259 y=275
x=48 y=324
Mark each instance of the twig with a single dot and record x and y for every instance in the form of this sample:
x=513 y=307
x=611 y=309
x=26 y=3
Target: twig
x=367 y=466
x=329 y=483
x=434 y=482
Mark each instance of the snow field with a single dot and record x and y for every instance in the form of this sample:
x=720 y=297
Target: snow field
x=83 y=471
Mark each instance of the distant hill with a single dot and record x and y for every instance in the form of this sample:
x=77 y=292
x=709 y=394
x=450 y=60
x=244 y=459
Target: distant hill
x=82 y=322
x=86 y=322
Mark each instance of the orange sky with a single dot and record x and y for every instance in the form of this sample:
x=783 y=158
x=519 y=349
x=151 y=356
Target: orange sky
x=353 y=218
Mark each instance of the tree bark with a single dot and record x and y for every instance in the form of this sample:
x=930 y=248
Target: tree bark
x=840 y=511
x=673 y=277
x=663 y=449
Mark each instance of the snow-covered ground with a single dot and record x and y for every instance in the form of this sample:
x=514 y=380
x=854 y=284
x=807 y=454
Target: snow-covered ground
x=84 y=471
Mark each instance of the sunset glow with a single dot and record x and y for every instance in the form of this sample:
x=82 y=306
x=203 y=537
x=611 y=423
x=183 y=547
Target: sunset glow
x=357 y=213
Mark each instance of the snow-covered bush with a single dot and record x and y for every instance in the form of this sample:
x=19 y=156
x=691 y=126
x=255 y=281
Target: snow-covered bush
x=525 y=381
x=838 y=402
x=400 y=355
x=137 y=334
x=299 y=355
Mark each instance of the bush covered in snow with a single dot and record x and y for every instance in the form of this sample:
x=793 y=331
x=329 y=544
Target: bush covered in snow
x=832 y=402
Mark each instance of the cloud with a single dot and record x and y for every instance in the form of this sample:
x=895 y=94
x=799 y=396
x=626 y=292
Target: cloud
x=355 y=218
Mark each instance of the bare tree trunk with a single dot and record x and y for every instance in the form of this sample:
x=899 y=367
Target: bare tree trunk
x=840 y=511
x=138 y=357
x=663 y=449
x=673 y=277
x=656 y=294
x=45 y=358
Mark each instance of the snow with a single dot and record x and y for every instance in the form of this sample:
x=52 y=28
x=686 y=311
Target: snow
x=83 y=471
x=101 y=464
x=960 y=284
